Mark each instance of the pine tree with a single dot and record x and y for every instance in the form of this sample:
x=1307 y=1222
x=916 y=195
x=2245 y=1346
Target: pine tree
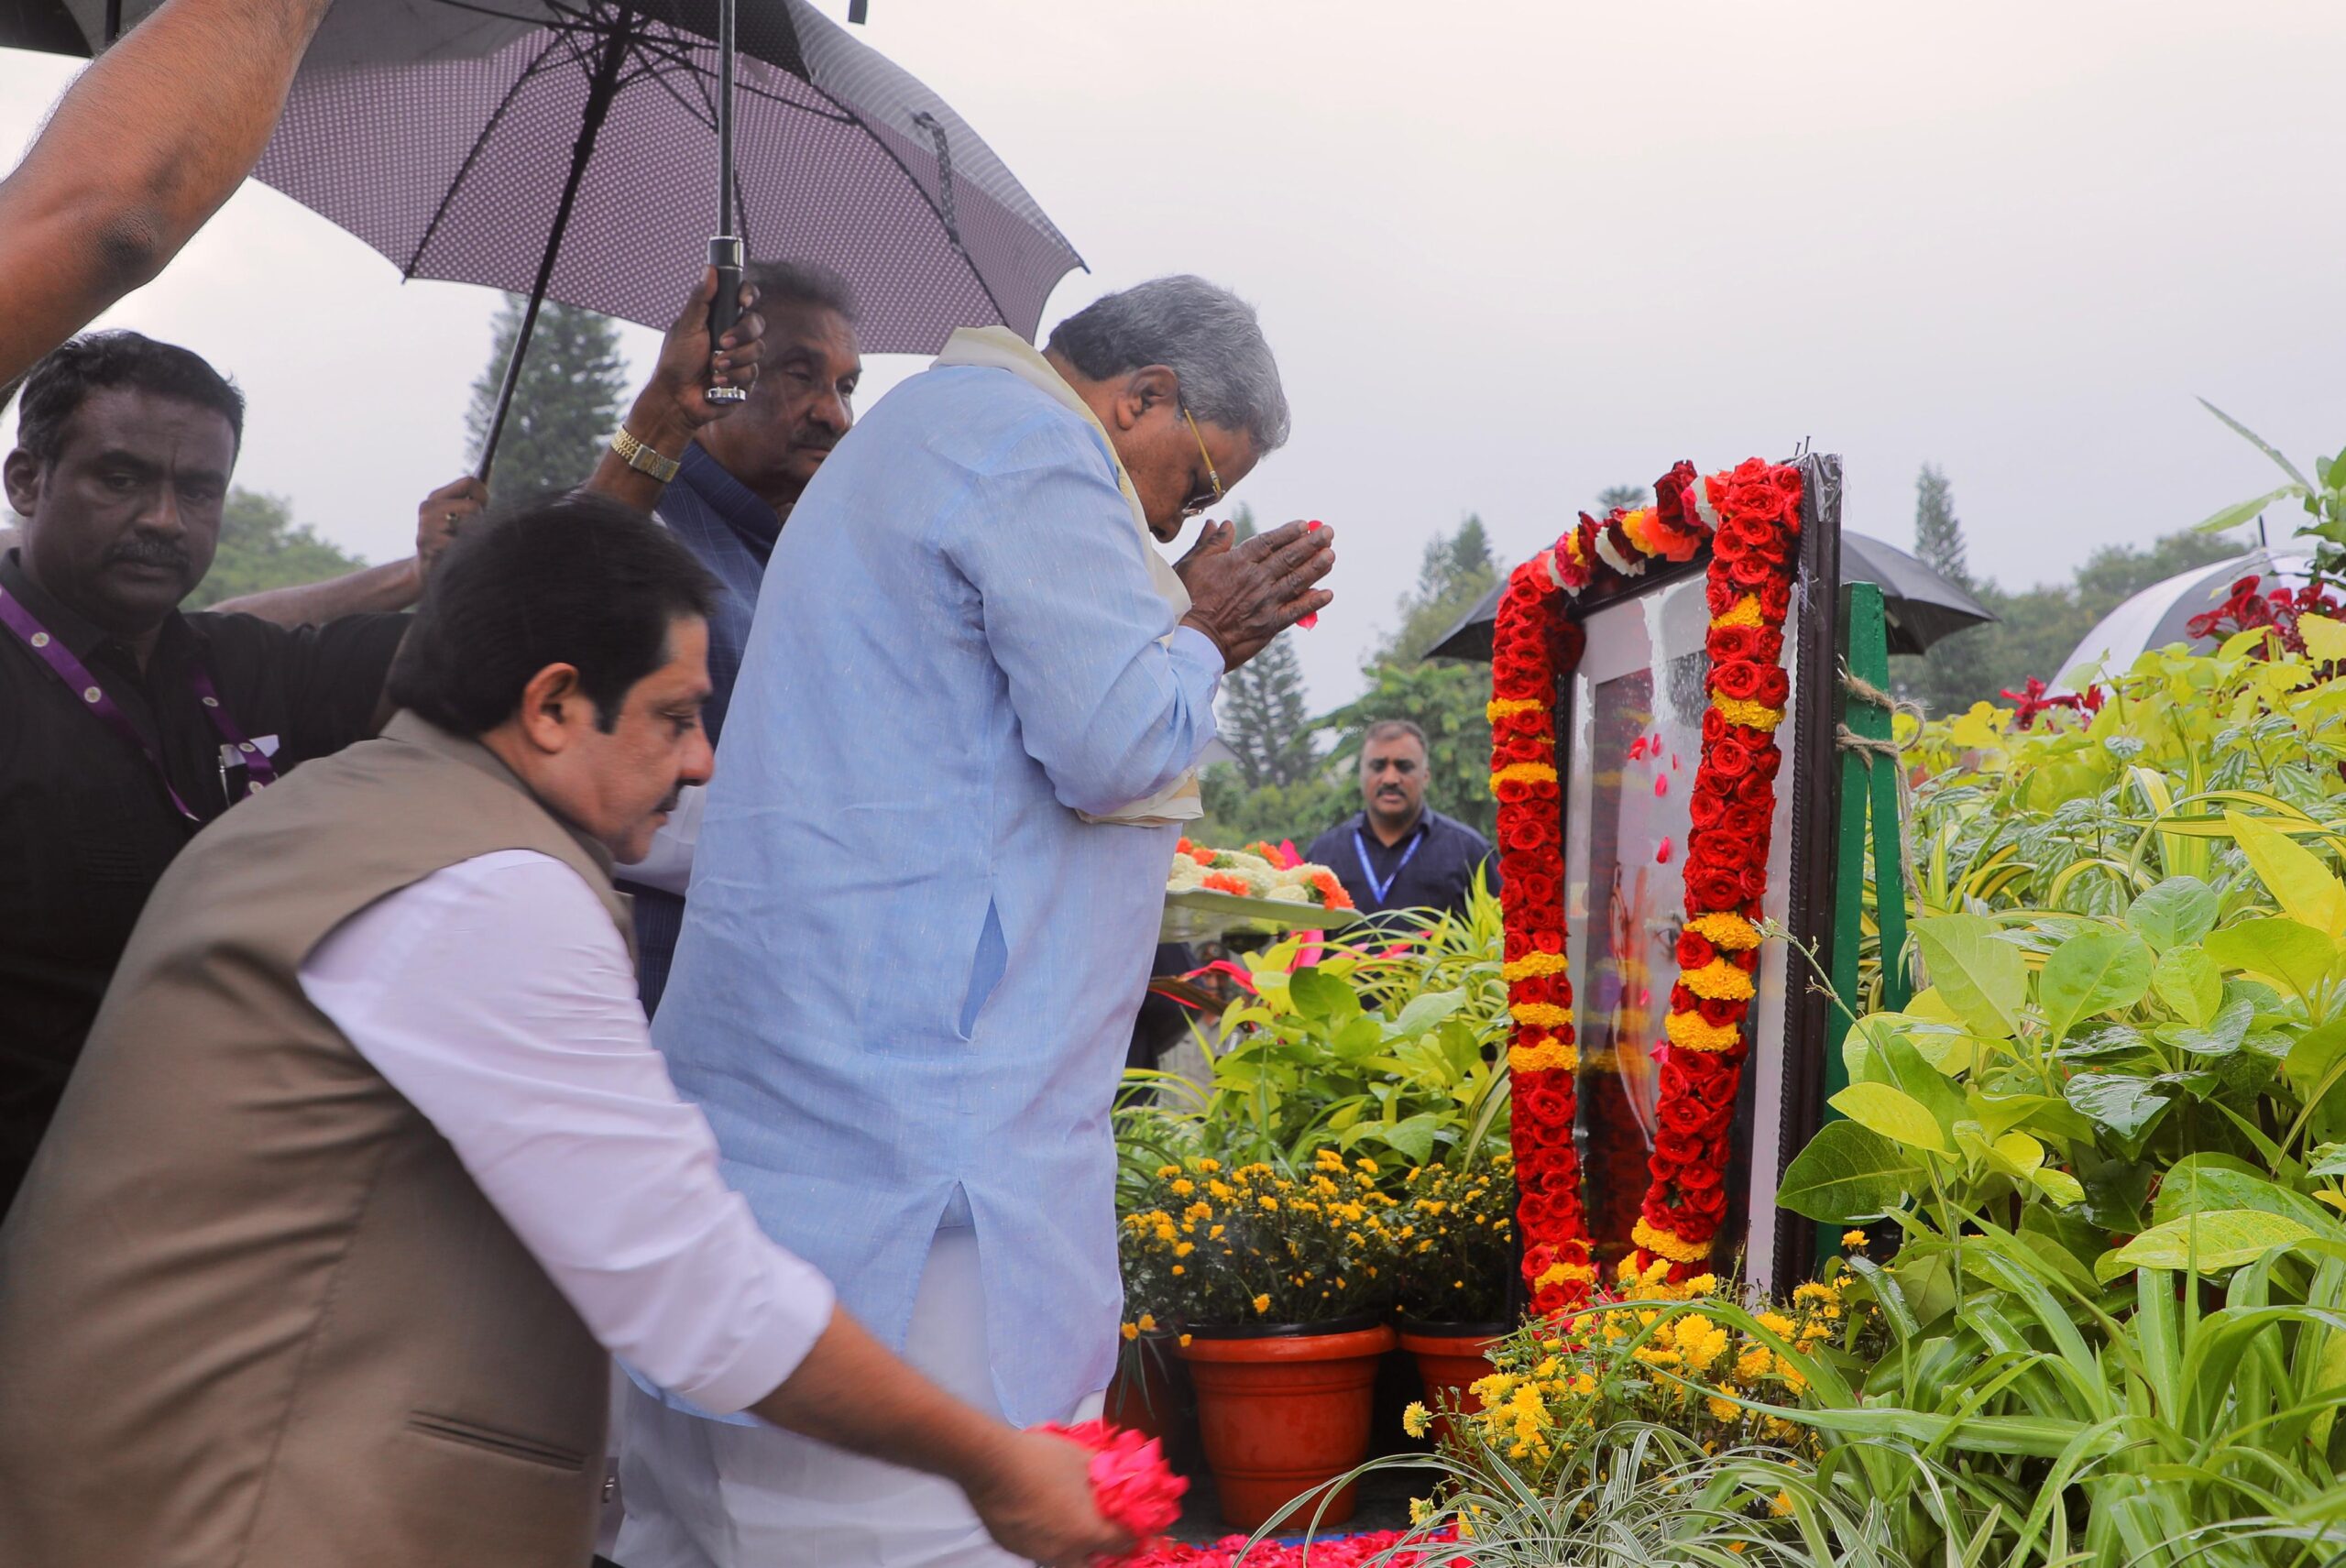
x=566 y=406
x=1265 y=720
x=1456 y=571
x=1938 y=534
x=1623 y=495
x=1953 y=673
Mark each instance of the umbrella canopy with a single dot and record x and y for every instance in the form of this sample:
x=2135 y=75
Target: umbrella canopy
x=2160 y=614
x=389 y=30
x=1921 y=606
x=593 y=140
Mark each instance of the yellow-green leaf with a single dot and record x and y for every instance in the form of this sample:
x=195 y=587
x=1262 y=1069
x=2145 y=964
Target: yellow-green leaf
x=1892 y=1112
x=2325 y=638
x=2295 y=877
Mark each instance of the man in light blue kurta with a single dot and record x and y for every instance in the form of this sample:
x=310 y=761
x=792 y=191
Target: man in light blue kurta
x=929 y=879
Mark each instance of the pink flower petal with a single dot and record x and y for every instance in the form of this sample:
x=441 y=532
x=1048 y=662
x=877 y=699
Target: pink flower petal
x=1661 y=855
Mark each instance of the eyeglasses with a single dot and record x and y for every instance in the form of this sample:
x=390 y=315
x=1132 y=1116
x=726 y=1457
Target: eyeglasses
x=1211 y=494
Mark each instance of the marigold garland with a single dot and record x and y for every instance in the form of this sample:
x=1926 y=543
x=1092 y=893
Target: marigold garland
x=1751 y=518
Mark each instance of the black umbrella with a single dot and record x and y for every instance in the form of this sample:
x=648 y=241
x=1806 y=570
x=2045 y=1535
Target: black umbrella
x=565 y=150
x=1921 y=606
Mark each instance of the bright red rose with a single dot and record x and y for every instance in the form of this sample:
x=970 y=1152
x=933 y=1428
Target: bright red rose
x=1709 y=892
x=1728 y=757
x=1772 y=686
x=1694 y=950
x=1743 y=822
x=1705 y=809
x=1775 y=600
x=1731 y=644
x=1753 y=571
x=1719 y=1010
x=1737 y=680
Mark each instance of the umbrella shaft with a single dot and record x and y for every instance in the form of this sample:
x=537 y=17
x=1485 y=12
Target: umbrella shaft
x=601 y=90
x=725 y=116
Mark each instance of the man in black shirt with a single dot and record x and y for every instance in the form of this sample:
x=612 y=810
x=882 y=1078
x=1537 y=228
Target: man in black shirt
x=1396 y=853
x=124 y=725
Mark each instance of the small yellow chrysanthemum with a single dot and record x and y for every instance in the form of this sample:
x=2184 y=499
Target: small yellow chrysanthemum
x=1148 y=1323
x=1263 y=1303
x=1783 y=1506
x=1416 y=1420
x=1131 y=1331
x=1854 y=1239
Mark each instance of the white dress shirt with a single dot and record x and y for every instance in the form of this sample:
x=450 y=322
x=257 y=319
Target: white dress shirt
x=498 y=997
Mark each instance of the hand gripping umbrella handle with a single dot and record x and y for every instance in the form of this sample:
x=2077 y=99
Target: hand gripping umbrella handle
x=725 y=255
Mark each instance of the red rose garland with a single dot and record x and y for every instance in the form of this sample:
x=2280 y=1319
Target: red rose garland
x=1751 y=517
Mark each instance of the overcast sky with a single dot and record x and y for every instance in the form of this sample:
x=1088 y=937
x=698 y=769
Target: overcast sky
x=1510 y=252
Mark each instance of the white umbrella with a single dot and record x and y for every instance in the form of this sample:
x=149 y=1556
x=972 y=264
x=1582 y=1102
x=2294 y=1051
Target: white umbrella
x=2160 y=614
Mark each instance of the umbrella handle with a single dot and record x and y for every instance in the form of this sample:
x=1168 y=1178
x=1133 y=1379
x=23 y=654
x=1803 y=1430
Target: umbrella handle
x=725 y=255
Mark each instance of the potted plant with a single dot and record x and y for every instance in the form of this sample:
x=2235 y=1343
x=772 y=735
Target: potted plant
x=1455 y=1229
x=1275 y=1281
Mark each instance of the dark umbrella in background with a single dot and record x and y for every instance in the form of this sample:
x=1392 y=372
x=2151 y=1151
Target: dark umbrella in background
x=1921 y=605
x=565 y=150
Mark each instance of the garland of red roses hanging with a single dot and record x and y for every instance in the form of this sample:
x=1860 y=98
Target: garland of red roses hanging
x=1751 y=518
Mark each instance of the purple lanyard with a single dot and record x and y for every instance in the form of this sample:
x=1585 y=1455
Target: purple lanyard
x=260 y=772
x=1377 y=890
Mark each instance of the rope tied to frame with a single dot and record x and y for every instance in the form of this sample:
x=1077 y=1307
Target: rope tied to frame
x=1868 y=747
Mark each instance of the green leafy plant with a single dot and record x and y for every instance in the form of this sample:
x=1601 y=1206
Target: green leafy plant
x=2323 y=496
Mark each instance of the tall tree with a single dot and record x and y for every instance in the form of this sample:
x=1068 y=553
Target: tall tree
x=1953 y=673
x=565 y=405
x=1265 y=720
x=1455 y=572
x=1938 y=532
x=262 y=547
x=1627 y=497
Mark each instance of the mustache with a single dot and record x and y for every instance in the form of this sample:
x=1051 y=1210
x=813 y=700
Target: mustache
x=146 y=550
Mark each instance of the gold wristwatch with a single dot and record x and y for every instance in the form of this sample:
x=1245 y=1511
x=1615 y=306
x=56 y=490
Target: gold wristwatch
x=642 y=458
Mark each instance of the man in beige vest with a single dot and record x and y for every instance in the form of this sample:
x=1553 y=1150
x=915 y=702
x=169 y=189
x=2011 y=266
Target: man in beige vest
x=369 y=1160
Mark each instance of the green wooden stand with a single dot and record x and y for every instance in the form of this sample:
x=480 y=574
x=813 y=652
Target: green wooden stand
x=1869 y=797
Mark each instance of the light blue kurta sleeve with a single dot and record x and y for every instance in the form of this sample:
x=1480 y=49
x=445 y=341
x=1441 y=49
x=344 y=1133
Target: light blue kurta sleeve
x=1110 y=709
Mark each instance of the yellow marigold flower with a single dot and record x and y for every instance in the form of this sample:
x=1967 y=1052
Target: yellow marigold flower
x=1753 y=1364
x=1783 y=1506
x=1222 y=1190
x=1721 y=929
x=1664 y=1246
x=1540 y=1015
x=1723 y=1409
x=1367 y=1165
x=1653 y=1356
x=1505 y=706
x=1185 y=1342
x=1700 y=1284
x=1748 y=714
x=1184 y=1186
x=1148 y=1323
x=1549 y=1055
x=1131 y=1331
x=1263 y=1303
x=1813 y=1291
x=1416 y=1420
x=1523 y=772
x=1268 y=1201
x=1533 y=964
x=1719 y=980
x=1854 y=1239
x=1583 y=1385
x=1165 y=1170
x=1744 y=612
x=1184 y=1249
x=1209 y=1166
x=1778 y=1324
x=1214 y=1233
x=1693 y=1032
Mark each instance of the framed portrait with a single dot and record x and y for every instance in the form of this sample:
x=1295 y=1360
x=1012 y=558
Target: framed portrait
x=1628 y=737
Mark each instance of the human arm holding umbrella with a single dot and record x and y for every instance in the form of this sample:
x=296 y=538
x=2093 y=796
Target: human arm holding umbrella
x=141 y=150
x=674 y=404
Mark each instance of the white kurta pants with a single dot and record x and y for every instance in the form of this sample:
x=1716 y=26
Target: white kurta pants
x=700 y=1494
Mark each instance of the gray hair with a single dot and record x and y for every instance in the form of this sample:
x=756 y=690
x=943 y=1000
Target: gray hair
x=1204 y=333
x=804 y=284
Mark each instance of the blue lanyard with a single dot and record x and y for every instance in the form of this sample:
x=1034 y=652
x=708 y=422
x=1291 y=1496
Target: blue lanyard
x=1377 y=890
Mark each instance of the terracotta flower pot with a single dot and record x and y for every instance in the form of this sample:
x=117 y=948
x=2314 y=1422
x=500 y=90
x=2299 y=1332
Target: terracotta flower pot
x=1145 y=1396
x=1451 y=1358
x=1283 y=1409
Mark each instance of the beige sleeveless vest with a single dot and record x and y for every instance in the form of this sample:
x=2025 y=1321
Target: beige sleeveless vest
x=253 y=1313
